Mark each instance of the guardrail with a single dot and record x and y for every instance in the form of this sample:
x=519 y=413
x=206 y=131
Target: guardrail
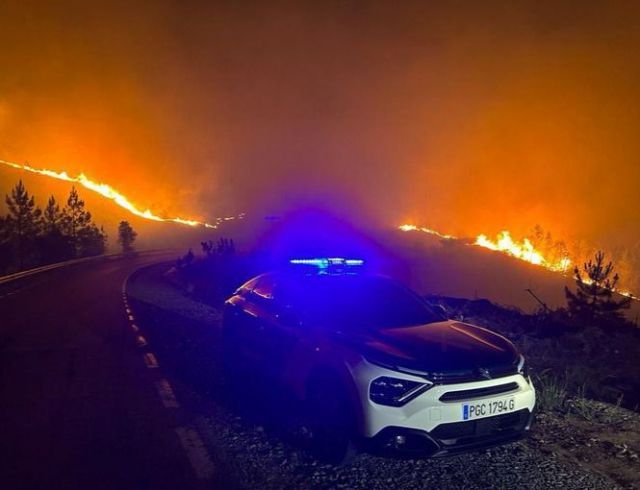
x=57 y=265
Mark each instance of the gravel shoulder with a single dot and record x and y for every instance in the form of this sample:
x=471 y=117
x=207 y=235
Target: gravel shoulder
x=256 y=449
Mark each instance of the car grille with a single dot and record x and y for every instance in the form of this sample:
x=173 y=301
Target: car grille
x=489 y=426
x=478 y=392
x=468 y=376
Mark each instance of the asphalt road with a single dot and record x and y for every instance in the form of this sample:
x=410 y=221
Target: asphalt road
x=78 y=406
x=105 y=390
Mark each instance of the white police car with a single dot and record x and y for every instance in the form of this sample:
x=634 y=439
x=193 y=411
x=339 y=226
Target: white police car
x=375 y=364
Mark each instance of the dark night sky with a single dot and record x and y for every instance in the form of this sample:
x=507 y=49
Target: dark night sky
x=470 y=117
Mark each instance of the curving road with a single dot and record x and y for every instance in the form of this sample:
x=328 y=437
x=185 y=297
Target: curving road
x=78 y=408
x=105 y=390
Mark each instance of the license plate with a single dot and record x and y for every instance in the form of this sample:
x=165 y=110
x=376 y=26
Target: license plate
x=487 y=408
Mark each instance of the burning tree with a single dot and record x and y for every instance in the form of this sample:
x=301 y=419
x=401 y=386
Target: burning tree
x=593 y=299
x=126 y=236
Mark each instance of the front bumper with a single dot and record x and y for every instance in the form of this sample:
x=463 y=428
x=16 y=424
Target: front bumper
x=456 y=437
x=430 y=426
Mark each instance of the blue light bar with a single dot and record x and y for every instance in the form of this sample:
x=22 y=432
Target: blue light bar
x=325 y=263
x=354 y=262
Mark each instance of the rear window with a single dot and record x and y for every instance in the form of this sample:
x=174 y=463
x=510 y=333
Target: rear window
x=359 y=302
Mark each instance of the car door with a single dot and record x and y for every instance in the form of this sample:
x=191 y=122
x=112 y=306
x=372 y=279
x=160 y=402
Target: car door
x=258 y=313
x=244 y=318
x=283 y=330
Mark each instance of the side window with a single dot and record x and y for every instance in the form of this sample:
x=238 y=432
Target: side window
x=264 y=289
x=247 y=286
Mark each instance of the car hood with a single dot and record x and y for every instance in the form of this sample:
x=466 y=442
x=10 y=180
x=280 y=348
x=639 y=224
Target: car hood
x=447 y=350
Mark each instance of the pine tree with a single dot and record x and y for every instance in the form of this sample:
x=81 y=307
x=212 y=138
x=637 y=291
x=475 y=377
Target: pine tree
x=54 y=245
x=593 y=299
x=5 y=246
x=76 y=219
x=92 y=240
x=4 y=232
x=126 y=236
x=52 y=217
x=22 y=223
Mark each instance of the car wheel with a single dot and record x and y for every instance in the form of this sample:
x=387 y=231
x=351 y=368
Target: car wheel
x=330 y=427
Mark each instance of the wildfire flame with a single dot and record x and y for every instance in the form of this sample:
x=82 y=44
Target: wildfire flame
x=523 y=250
x=504 y=243
x=115 y=196
x=426 y=230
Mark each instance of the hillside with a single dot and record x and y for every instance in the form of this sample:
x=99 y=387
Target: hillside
x=453 y=268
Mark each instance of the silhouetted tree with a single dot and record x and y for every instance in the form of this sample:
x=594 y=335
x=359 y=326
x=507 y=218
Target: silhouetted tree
x=226 y=246
x=22 y=224
x=54 y=245
x=593 y=299
x=536 y=237
x=86 y=237
x=186 y=261
x=126 y=236
x=51 y=216
x=4 y=232
x=30 y=237
x=5 y=246
x=76 y=217
x=92 y=240
x=207 y=248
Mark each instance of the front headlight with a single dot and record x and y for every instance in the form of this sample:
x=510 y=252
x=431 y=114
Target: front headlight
x=523 y=367
x=396 y=392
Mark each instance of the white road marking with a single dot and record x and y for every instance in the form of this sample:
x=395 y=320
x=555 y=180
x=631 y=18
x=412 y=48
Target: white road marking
x=151 y=361
x=128 y=311
x=135 y=328
x=131 y=318
x=196 y=452
x=141 y=341
x=166 y=394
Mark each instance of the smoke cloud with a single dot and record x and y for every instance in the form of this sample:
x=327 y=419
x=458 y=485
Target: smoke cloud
x=470 y=117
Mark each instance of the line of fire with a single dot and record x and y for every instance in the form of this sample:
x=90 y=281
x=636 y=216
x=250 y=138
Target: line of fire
x=319 y=245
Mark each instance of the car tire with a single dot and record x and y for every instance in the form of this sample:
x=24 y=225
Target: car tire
x=330 y=422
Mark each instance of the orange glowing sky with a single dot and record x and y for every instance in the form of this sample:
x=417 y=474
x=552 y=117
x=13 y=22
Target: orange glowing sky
x=470 y=117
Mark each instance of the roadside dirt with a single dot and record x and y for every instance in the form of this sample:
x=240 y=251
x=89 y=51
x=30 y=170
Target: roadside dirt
x=604 y=439
x=564 y=451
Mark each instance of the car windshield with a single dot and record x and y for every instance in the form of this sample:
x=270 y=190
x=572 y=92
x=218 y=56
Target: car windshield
x=361 y=302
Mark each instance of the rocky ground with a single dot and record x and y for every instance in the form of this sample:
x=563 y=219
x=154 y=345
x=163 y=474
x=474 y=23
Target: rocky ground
x=255 y=448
